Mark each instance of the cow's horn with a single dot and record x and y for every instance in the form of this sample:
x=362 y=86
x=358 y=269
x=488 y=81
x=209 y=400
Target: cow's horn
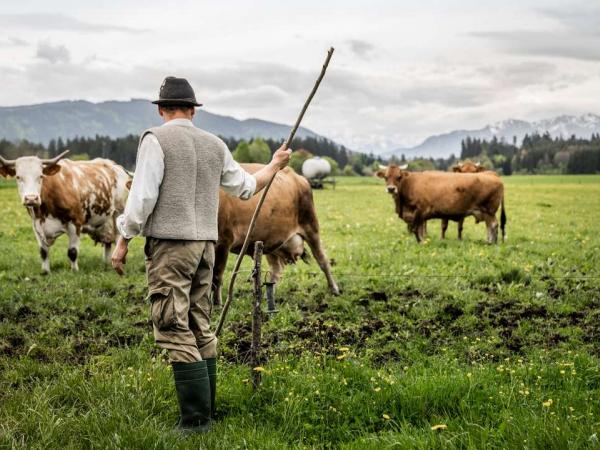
x=54 y=160
x=403 y=167
x=7 y=162
x=382 y=167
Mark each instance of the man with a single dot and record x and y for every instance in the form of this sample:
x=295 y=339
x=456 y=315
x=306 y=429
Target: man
x=173 y=202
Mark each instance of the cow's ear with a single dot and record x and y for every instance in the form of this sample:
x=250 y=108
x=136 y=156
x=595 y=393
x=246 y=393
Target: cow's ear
x=51 y=170
x=380 y=173
x=7 y=171
x=128 y=185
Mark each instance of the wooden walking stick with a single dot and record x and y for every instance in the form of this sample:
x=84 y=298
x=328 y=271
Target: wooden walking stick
x=288 y=141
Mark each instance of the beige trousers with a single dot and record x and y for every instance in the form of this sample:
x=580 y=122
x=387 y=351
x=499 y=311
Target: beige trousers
x=179 y=284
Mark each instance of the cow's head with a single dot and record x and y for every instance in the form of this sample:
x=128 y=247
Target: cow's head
x=393 y=176
x=29 y=172
x=468 y=167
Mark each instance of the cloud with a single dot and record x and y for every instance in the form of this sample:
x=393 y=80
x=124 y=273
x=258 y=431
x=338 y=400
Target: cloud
x=581 y=19
x=53 y=53
x=13 y=42
x=60 y=22
x=575 y=35
x=360 y=48
x=545 y=43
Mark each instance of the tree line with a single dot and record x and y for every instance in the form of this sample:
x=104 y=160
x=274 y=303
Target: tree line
x=123 y=150
x=538 y=153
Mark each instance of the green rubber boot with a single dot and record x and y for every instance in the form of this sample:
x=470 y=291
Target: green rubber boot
x=211 y=366
x=193 y=392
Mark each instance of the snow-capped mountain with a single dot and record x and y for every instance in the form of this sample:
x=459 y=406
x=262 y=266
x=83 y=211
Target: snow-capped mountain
x=443 y=145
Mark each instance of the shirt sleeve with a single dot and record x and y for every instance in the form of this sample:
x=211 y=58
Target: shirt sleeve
x=235 y=180
x=149 y=172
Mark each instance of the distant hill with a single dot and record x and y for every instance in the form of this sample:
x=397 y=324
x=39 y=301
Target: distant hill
x=443 y=145
x=68 y=119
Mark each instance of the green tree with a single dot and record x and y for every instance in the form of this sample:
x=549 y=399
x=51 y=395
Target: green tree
x=349 y=171
x=242 y=152
x=259 y=151
x=335 y=167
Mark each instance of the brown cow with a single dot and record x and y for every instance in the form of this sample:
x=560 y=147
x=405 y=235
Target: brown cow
x=467 y=166
x=286 y=220
x=421 y=196
x=70 y=197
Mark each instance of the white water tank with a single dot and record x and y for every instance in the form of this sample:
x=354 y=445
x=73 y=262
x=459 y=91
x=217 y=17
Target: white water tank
x=316 y=168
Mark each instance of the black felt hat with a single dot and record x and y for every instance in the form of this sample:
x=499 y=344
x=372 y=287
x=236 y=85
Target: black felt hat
x=176 y=92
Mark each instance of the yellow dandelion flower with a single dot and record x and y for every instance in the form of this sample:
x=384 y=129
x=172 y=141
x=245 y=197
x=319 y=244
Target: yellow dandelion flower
x=342 y=356
x=547 y=403
x=259 y=369
x=386 y=417
x=440 y=426
x=377 y=389
x=344 y=349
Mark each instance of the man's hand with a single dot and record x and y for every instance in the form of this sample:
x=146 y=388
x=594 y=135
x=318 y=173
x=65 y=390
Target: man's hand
x=281 y=157
x=119 y=256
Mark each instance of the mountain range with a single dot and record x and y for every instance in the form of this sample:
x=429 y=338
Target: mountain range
x=67 y=119
x=443 y=145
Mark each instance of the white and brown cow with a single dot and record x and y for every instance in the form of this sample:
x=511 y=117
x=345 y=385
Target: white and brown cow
x=64 y=196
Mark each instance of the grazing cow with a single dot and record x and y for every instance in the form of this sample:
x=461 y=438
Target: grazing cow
x=468 y=167
x=64 y=196
x=463 y=167
x=420 y=196
x=287 y=219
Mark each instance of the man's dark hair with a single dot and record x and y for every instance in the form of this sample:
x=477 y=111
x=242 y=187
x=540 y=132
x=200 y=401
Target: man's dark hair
x=175 y=108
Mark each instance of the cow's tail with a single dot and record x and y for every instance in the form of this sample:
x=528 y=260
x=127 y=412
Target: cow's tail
x=503 y=220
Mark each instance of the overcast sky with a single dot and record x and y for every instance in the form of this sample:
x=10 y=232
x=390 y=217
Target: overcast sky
x=402 y=70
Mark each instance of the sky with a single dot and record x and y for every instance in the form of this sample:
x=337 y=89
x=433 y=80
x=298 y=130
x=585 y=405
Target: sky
x=401 y=71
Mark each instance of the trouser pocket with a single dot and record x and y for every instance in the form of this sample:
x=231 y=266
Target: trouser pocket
x=163 y=312
x=148 y=249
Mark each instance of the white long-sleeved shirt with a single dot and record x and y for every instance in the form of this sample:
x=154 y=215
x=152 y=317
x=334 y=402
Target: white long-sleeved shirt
x=149 y=174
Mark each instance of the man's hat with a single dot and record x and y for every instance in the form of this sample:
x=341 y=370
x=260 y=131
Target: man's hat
x=176 y=92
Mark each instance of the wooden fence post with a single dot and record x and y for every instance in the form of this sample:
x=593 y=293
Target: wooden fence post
x=256 y=315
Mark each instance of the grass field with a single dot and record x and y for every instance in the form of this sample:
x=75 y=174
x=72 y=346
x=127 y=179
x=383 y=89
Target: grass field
x=445 y=345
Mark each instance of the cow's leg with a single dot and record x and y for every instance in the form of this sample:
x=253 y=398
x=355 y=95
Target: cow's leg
x=444 y=228
x=276 y=266
x=417 y=229
x=492 y=228
x=314 y=242
x=460 y=228
x=43 y=245
x=73 y=250
x=221 y=255
x=424 y=230
x=107 y=253
x=45 y=255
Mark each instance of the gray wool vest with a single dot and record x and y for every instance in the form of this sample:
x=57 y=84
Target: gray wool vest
x=188 y=200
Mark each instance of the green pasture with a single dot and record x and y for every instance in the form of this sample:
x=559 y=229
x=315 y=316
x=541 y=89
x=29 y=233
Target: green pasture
x=443 y=345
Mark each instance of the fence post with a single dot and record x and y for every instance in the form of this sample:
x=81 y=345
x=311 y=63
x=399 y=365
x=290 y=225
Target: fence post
x=256 y=315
